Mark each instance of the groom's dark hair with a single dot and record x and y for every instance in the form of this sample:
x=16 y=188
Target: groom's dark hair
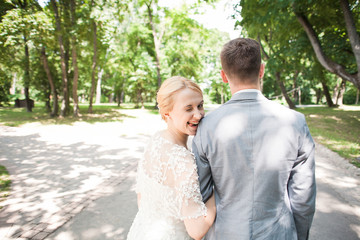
x=241 y=58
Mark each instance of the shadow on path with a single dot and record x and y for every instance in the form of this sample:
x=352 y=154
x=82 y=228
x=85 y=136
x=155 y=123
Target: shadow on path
x=53 y=179
x=338 y=198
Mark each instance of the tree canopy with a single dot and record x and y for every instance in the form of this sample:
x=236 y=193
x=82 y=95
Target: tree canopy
x=71 y=52
x=298 y=37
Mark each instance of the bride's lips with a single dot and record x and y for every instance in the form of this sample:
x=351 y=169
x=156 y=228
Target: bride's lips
x=193 y=124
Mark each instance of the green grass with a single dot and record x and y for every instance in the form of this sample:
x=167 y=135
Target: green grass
x=14 y=117
x=5 y=183
x=338 y=129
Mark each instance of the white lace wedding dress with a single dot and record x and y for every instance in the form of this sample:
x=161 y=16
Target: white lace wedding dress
x=167 y=180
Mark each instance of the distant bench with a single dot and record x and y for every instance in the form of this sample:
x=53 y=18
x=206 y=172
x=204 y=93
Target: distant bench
x=21 y=103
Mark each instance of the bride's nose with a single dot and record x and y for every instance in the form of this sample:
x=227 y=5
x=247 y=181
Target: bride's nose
x=198 y=115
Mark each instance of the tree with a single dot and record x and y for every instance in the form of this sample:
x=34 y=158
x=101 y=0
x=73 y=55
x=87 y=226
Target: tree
x=94 y=60
x=277 y=23
x=302 y=12
x=44 y=59
x=44 y=42
x=64 y=102
x=15 y=31
x=157 y=37
x=217 y=90
x=74 y=58
x=117 y=53
x=280 y=50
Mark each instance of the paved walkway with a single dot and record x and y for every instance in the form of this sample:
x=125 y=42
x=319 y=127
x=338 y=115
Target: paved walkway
x=77 y=182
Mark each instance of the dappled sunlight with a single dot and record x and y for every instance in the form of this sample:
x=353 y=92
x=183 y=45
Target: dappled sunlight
x=351 y=148
x=57 y=171
x=334 y=205
x=338 y=197
x=337 y=119
x=227 y=130
x=350 y=107
x=355 y=228
x=66 y=235
x=95 y=222
x=106 y=230
x=328 y=172
x=334 y=118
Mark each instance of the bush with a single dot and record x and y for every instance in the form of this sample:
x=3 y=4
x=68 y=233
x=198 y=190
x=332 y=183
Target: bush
x=350 y=95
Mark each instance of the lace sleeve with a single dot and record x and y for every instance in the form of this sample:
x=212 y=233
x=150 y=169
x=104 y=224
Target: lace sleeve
x=187 y=187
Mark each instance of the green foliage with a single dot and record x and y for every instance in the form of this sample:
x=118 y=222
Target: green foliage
x=5 y=84
x=350 y=95
x=287 y=47
x=184 y=39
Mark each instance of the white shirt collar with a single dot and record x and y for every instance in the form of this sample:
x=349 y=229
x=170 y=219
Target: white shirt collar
x=247 y=90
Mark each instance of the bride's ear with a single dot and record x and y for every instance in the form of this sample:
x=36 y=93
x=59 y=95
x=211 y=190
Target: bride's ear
x=166 y=116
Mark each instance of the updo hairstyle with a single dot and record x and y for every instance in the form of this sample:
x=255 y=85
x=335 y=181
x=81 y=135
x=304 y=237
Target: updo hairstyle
x=169 y=88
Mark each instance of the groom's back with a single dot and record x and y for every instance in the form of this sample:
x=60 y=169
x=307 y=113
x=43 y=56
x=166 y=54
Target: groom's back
x=251 y=144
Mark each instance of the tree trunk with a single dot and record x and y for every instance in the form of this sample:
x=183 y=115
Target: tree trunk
x=326 y=62
x=352 y=33
x=47 y=104
x=326 y=93
x=23 y=6
x=68 y=83
x=55 y=108
x=27 y=76
x=357 y=97
x=157 y=42
x=283 y=91
x=340 y=96
x=74 y=60
x=118 y=98
x=318 y=95
x=93 y=67
x=64 y=109
x=295 y=86
x=98 y=86
x=67 y=42
x=336 y=91
x=13 y=85
x=75 y=81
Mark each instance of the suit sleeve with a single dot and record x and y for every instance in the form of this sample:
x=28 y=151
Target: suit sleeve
x=203 y=166
x=302 y=186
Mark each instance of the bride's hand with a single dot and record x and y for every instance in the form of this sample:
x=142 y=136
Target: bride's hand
x=211 y=209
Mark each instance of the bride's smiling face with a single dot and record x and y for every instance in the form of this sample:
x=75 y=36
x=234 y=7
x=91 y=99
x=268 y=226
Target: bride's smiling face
x=187 y=112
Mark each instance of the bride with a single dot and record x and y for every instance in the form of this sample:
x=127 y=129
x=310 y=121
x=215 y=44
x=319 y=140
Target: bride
x=169 y=199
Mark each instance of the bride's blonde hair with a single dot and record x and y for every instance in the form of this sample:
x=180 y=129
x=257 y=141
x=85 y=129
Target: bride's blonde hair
x=169 y=88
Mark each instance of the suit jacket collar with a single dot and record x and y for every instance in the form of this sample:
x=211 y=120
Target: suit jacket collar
x=248 y=96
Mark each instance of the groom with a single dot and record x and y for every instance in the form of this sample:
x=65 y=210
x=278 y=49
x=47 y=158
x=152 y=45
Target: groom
x=257 y=155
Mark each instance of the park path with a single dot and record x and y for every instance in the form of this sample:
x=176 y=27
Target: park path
x=77 y=182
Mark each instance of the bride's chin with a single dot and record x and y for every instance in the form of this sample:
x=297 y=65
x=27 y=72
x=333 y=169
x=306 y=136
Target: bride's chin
x=192 y=133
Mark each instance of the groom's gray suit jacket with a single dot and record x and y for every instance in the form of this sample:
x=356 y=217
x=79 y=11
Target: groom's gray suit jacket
x=259 y=157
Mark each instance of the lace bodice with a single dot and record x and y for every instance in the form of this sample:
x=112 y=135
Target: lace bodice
x=167 y=180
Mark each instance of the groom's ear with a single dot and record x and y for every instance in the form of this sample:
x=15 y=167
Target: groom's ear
x=223 y=76
x=262 y=71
